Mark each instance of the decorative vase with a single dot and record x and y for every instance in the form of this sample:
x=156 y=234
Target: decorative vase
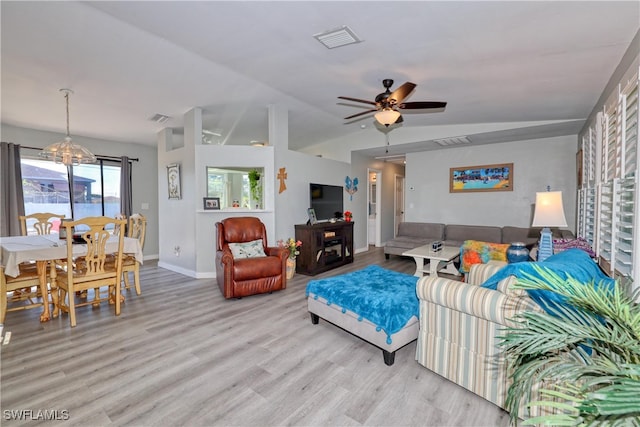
x=348 y=219
x=517 y=252
x=291 y=267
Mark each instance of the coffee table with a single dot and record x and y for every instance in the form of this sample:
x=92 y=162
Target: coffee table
x=438 y=260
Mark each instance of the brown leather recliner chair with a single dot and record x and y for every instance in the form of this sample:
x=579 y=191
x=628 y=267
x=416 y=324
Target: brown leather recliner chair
x=242 y=277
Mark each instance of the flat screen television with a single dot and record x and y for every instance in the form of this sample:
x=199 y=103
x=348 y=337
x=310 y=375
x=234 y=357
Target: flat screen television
x=326 y=201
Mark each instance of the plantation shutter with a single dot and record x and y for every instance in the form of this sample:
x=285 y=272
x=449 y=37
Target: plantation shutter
x=587 y=215
x=626 y=183
x=586 y=209
x=609 y=146
x=605 y=244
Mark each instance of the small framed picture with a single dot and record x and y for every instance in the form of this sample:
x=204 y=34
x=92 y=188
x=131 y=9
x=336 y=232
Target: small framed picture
x=211 y=203
x=312 y=216
x=173 y=181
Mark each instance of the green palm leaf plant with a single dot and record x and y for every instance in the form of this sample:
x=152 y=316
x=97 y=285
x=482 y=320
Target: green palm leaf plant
x=254 y=184
x=584 y=355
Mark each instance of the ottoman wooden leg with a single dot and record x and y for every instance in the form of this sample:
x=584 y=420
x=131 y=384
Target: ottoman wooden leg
x=314 y=318
x=389 y=358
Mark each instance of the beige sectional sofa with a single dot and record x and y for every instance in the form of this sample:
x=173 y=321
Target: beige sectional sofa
x=461 y=325
x=413 y=234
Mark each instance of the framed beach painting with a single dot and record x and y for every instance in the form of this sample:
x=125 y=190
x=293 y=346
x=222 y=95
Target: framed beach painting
x=470 y=179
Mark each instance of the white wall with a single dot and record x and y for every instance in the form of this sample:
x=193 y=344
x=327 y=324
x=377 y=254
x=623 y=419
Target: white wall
x=228 y=156
x=303 y=169
x=143 y=172
x=194 y=229
x=536 y=163
x=177 y=225
x=185 y=224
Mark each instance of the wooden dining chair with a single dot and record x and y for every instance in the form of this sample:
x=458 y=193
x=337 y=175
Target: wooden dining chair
x=91 y=270
x=20 y=299
x=117 y=229
x=136 y=229
x=42 y=222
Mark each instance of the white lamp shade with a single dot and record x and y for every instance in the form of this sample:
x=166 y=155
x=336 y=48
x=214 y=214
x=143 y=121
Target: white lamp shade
x=549 y=211
x=387 y=116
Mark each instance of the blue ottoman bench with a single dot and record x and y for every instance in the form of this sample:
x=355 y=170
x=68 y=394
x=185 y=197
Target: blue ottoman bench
x=375 y=304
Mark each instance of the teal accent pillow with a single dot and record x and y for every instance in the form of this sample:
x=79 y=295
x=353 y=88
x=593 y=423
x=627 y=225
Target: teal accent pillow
x=252 y=249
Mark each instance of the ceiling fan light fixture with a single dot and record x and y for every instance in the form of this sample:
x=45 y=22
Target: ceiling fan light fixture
x=387 y=116
x=65 y=151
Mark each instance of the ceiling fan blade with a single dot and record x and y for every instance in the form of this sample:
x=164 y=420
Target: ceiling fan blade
x=357 y=100
x=360 y=114
x=401 y=93
x=421 y=105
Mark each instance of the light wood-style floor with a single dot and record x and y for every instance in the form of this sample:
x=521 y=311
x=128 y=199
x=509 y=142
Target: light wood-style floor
x=180 y=354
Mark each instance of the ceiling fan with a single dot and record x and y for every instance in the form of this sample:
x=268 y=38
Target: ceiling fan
x=388 y=103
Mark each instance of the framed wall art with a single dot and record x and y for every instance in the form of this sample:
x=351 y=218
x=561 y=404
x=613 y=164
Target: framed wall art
x=211 y=203
x=173 y=181
x=469 y=179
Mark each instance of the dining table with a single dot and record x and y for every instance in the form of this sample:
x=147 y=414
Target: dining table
x=45 y=249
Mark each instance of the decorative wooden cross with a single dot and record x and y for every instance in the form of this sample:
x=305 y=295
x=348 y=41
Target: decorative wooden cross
x=282 y=175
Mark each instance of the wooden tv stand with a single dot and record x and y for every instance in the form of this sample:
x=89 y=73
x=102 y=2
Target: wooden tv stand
x=325 y=245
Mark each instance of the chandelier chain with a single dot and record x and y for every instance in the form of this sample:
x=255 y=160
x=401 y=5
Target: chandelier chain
x=66 y=152
x=66 y=95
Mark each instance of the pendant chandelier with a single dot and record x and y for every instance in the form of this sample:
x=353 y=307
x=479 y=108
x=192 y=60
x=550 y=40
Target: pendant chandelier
x=66 y=152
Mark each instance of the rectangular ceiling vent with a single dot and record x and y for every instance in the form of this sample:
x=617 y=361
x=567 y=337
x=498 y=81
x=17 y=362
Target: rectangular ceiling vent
x=339 y=37
x=452 y=141
x=159 y=118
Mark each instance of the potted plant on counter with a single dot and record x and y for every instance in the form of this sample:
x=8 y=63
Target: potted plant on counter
x=255 y=188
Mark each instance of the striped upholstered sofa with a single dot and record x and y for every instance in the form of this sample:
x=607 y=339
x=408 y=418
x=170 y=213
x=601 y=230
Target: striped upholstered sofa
x=459 y=326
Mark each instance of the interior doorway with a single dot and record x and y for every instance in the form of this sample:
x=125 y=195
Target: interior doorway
x=374 y=206
x=398 y=203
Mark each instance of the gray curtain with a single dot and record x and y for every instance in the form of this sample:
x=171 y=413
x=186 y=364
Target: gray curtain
x=11 y=196
x=126 y=198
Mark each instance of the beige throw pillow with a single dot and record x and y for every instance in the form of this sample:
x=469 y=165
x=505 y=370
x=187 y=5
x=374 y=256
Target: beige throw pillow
x=252 y=249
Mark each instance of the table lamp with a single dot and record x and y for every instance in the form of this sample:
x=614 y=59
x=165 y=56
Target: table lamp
x=548 y=213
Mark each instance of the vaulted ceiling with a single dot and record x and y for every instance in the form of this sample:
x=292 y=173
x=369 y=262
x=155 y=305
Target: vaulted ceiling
x=493 y=62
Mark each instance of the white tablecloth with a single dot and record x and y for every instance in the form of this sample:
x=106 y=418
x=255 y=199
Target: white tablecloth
x=18 y=249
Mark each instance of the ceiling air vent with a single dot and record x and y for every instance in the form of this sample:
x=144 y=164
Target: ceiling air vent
x=452 y=141
x=159 y=118
x=339 y=37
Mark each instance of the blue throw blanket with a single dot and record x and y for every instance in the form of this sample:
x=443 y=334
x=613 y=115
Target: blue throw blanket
x=385 y=298
x=572 y=262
